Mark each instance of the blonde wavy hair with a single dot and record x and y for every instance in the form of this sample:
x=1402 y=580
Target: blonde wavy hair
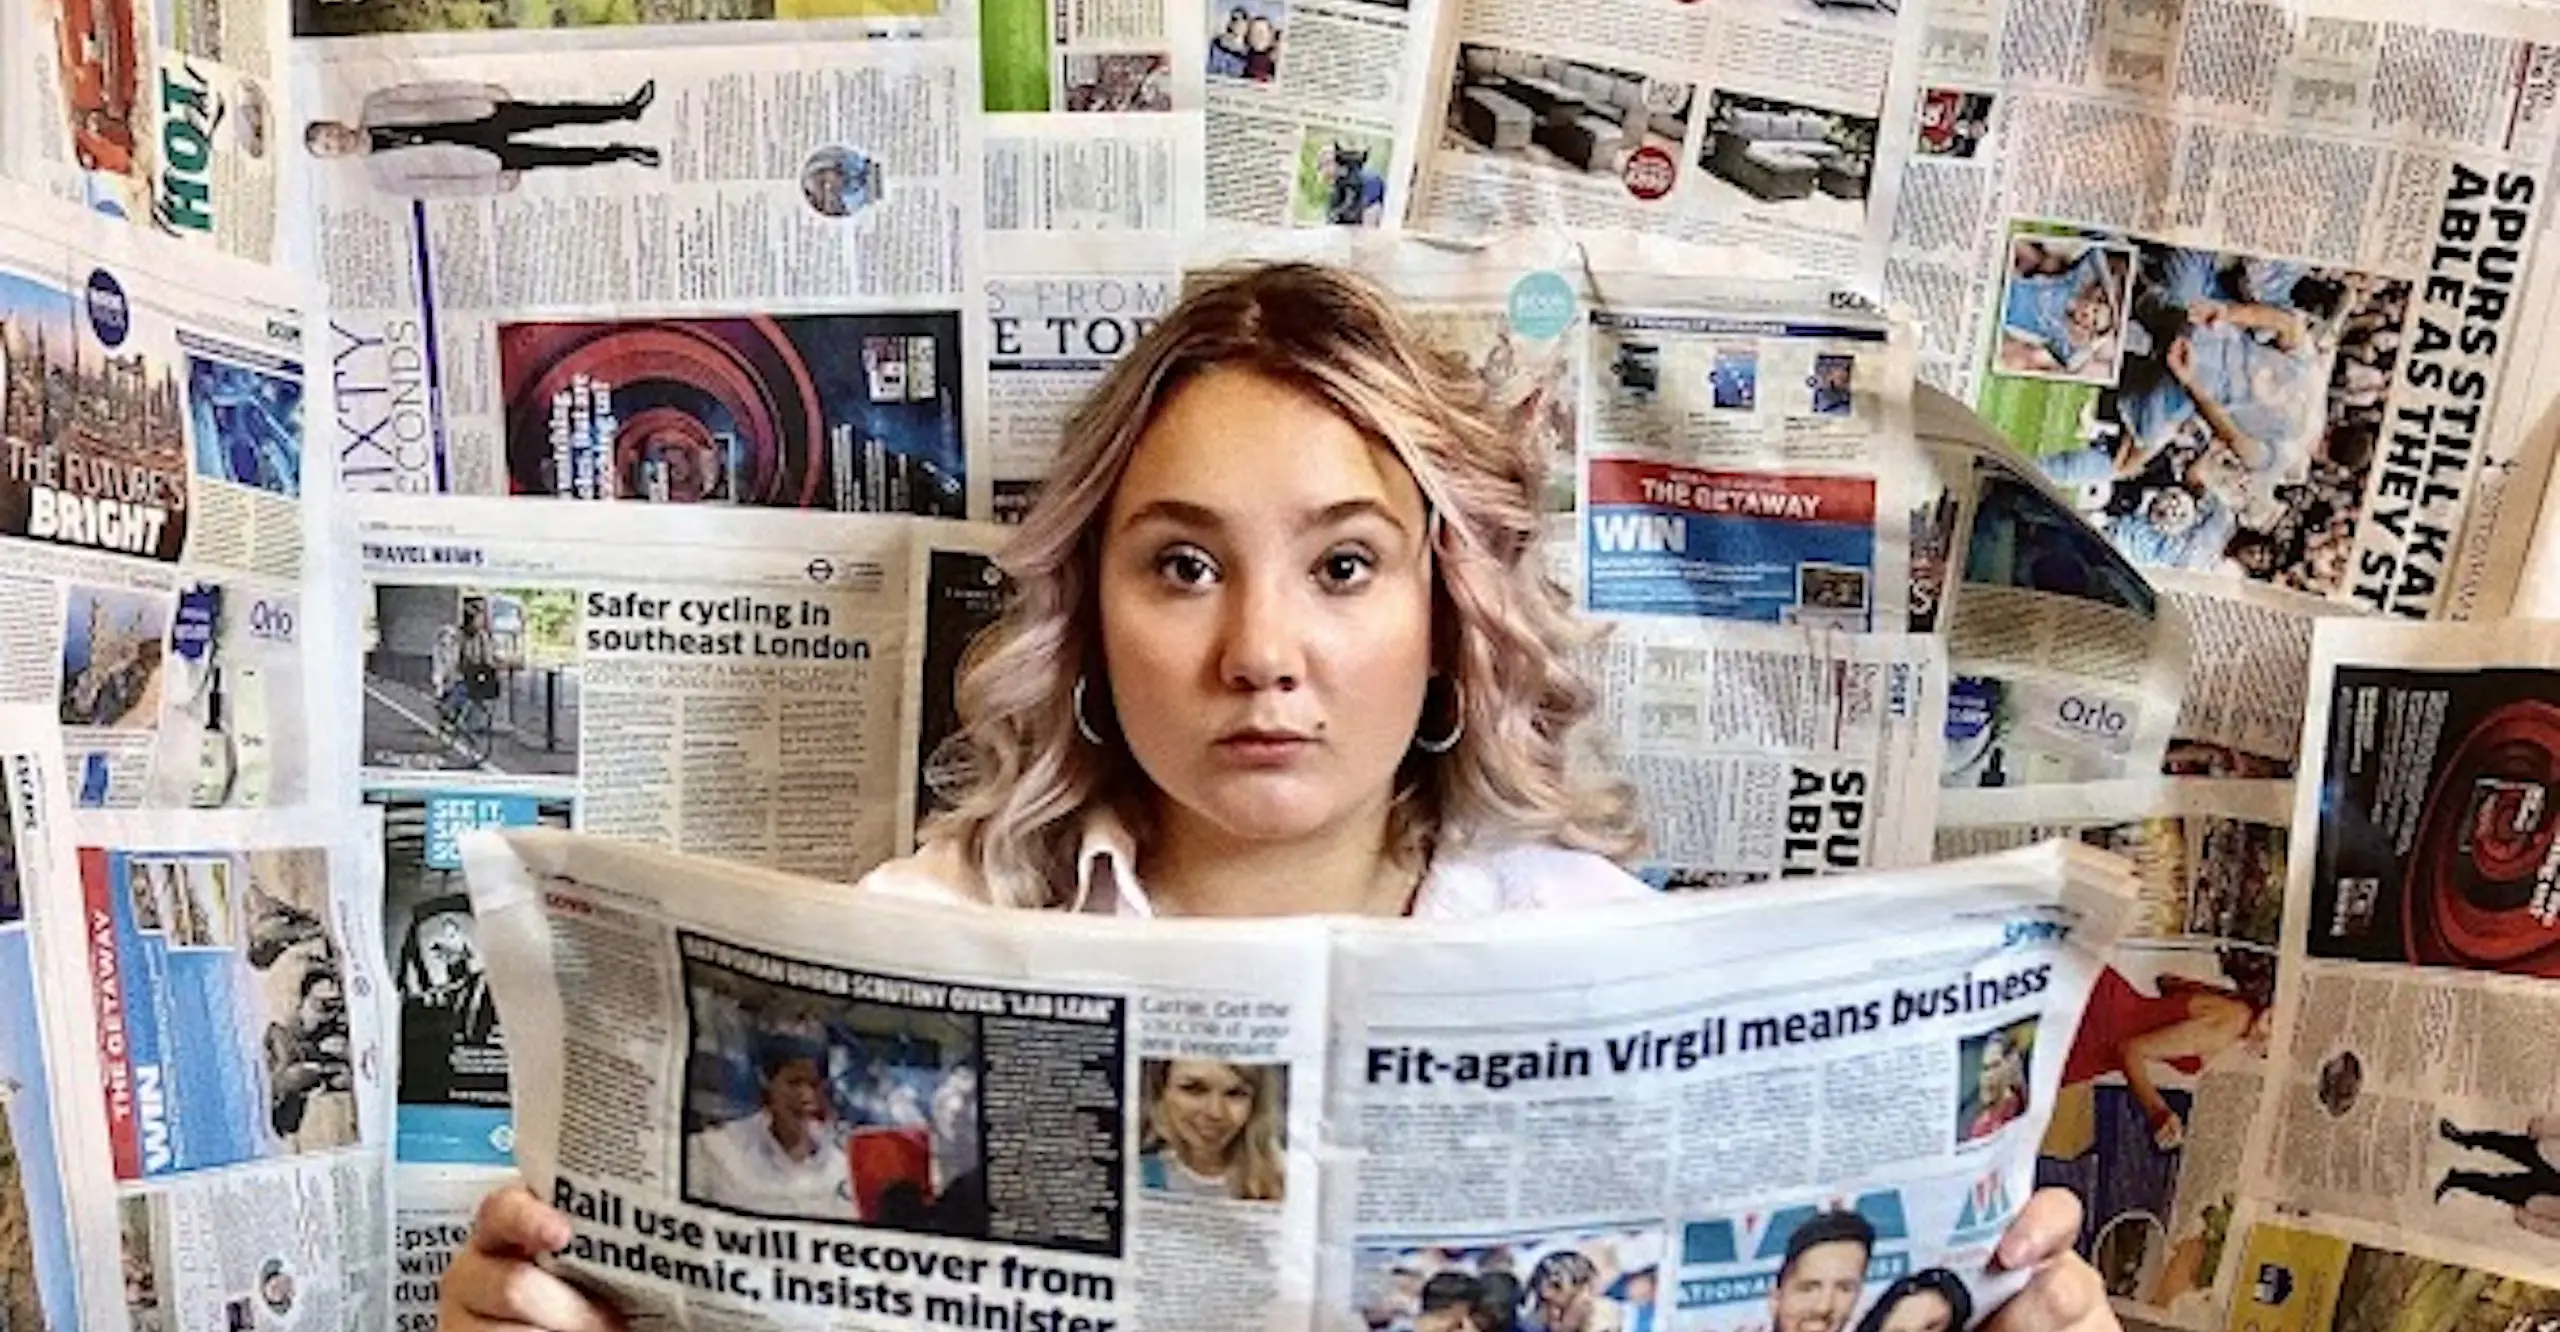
x=1503 y=631
x=1255 y=1169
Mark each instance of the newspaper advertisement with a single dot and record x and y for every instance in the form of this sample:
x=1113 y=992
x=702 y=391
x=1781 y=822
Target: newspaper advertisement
x=2305 y=1281
x=1131 y=172
x=167 y=116
x=1746 y=451
x=2068 y=664
x=742 y=279
x=1751 y=124
x=49 y=1269
x=1313 y=109
x=217 y=1076
x=991 y=1110
x=152 y=517
x=1762 y=752
x=2412 y=1106
x=2165 y=1077
x=1091 y=58
x=2102 y=223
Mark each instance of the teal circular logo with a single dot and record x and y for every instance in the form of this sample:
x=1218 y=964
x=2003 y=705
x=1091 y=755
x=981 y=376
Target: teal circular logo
x=1541 y=305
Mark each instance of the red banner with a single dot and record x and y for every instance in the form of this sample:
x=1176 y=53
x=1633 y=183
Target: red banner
x=1795 y=499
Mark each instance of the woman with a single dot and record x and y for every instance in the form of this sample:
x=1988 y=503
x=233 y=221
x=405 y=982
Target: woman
x=1280 y=643
x=1212 y=1129
x=1931 y=1301
x=2180 y=1028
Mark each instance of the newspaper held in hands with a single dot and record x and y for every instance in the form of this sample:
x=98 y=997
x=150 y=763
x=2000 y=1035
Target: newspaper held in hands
x=766 y=1101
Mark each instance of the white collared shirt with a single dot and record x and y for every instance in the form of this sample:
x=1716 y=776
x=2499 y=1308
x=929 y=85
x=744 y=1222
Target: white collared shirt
x=1483 y=881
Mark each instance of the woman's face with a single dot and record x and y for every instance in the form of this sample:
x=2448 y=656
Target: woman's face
x=1924 y=1311
x=1205 y=1106
x=1266 y=612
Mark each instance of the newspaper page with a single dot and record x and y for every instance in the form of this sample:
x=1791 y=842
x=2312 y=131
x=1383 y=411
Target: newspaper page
x=2098 y=211
x=1061 y=309
x=152 y=514
x=1760 y=751
x=1752 y=124
x=991 y=1106
x=55 y=1250
x=1093 y=57
x=2412 y=1107
x=168 y=116
x=218 y=1076
x=2148 y=1132
x=1130 y=172
x=1314 y=109
x=741 y=278
x=2068 y=663
x=2305 y=1281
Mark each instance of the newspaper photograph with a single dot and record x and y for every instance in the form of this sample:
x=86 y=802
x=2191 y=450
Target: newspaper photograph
x=1751 y=124
x=151 y=510
x=957 y=591
x=2304 y=1281
x=744 y=1028
x=2162 y=1083
x=1127 y=172
x=620 y=22
x=165 y=116
x=739 y=280
x=2414 y=1108
x=1093 y=59
x=232 y=1052
x=1763 y=752
x=1314 y=109
x=2103 y=231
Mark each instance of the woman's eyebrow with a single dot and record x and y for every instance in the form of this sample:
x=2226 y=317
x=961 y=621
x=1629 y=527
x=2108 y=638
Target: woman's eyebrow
x=1343 y=511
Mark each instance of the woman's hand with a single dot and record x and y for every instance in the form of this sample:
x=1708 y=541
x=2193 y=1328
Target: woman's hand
x=493 y=1285
x=2065 y=1294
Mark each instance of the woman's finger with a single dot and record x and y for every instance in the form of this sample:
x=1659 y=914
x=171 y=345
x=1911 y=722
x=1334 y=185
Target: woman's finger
x=513 y=1221
x=2066 y=1296
x=2044 y=1228
x=512 y=1291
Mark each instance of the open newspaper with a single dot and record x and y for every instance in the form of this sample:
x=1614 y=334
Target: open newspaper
x=194 y=1109
x=766 y=1102
x=2411 y=1122
x=2257 y=284
x=152 y=510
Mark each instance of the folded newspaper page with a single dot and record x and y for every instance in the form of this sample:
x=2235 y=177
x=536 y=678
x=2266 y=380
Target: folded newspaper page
x=768 y=1103
x=168 y=116
x=152 y=512
x=2150 y=1127
x=1130 y=172
x=2280 y=411
x=1314 y=108
x=192 y=1064
x=2412 y=1113
x=742 y=278
x=1753 y=123
x=2069 y=665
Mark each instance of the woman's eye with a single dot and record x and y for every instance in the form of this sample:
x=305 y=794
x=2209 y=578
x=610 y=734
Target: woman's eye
x=1187 y=567
x=1345 y=568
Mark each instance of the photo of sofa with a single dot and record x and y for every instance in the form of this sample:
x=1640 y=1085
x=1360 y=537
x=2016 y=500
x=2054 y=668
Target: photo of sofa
x=1775 y=152
x=1562 y=113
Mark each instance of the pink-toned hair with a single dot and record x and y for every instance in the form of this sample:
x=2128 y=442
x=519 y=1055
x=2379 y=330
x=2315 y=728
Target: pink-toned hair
x=1502 y=629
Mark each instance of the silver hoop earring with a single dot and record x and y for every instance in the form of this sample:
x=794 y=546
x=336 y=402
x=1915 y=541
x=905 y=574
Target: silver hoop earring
x=1085 y=728
x=1457 y=729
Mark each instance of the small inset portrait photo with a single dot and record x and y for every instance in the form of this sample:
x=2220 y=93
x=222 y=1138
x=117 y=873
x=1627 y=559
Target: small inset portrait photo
x=1992 y=1076
x=2062 y=309
x=2341 y=1083
x=839 y=181
x=1833 y=384
x=1831 y=587
x=1212 y=1129
x=1734 y=383
x=1245 y=38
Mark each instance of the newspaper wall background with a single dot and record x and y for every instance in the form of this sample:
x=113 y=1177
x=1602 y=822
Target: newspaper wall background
x=2150 y=1127
x=1093 y=59
x=777 y=321
x=2412 y=1084
x=152 y=516
x=1314 y=108
x=208 y=1051
x=898 y=1015
x=170 y=117
x=1753 y=124
x=2279 y=411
